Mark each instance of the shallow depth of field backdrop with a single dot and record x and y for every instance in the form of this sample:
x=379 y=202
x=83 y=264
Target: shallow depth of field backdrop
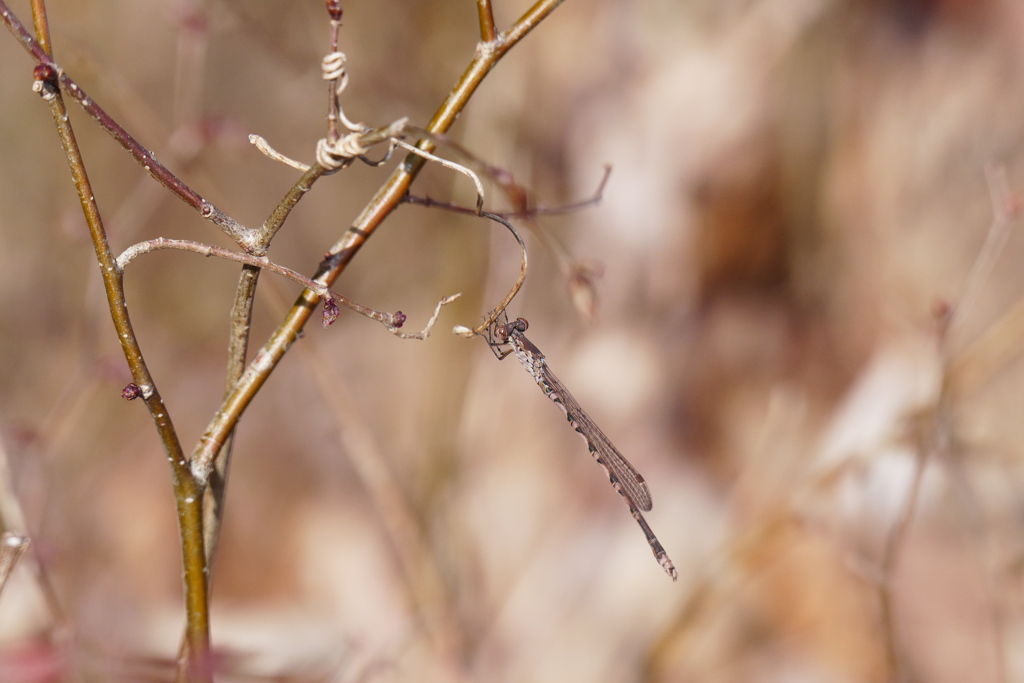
x=799 y=337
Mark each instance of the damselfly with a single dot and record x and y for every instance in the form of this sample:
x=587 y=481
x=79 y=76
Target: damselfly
x=623 y=476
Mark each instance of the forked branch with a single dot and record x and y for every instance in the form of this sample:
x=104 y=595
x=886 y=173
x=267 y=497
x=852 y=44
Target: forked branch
x=392 y=321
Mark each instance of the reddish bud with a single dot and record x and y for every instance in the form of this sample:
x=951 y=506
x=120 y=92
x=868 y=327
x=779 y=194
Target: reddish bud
x=330 y=311
x=131 y=392
x=398 y=319
x=45 y=73
x=334 y=9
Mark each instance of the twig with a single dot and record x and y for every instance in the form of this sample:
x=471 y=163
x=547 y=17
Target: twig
x=241 y=235
x=453 y=166
x=392 y=321
x=334 y=88
x=897 y=534
x=530 y=212
x=387 y=198
x=1005 y=209
x=579 y=276
x=488 y=32
x=187 y=493
x=483 y=327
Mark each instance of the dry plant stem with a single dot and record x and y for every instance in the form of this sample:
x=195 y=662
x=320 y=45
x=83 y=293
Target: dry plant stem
x=238 y=348
x=487 y=30
x=578 y=275
x=12 y=547
x=422 y=575
x=186 y=490
x=483 y=327
x=266 y=232
x=332 y=87
x=242 y=235
x=900 y=667
x=12 y=520
x=531 y=212
x=160 y=243
x=1005 y=210
x=42 y=25
x=387 y=198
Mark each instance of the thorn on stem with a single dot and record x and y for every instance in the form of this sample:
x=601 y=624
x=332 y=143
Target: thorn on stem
x=330 y=311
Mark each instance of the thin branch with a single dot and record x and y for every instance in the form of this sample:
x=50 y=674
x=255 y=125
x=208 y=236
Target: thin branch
x=481 y=329
x=187 y=493
x=1006 y=208
x=334 y=11
x=241 y=235
x=41 y=23
x=579 y=276
x=890 y=554
x=238 y=349
x=450 y=165
x=488 y=32
x=392 y=321
x=387 y=198
x=531 y=212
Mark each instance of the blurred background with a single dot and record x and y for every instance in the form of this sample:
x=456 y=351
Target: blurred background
x=796 y=310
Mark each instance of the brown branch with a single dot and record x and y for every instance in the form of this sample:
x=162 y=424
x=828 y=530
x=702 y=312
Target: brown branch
x=488 y=32
x=393 y=321
x=483 y=327
x=241 y=235
x=530 y=212
x=387 y=198
x=187 y=494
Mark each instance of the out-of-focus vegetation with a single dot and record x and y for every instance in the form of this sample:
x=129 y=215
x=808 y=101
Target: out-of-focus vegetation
x=800 y=339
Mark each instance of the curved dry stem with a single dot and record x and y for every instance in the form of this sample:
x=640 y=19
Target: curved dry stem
x=387 y=198
x=579 y=275
x=531 y=212
x=187 y=493
x=240 y=234
x=392 y=321
x=483 y=327
x=450 y=165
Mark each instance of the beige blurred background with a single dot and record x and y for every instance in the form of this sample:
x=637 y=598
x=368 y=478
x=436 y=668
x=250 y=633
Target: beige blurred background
x=804 y=335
